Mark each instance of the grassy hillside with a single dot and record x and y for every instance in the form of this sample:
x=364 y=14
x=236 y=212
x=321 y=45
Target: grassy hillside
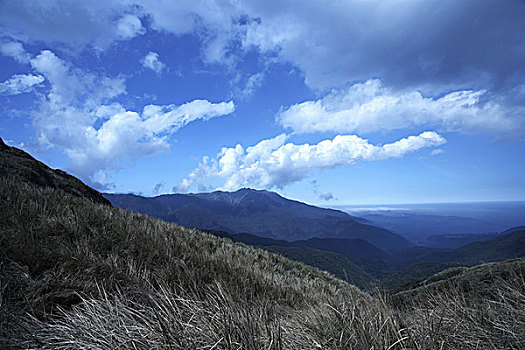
x=81 y=269
x=485 y=281
x=15 y=163
x=75 y=274
x=337 y=264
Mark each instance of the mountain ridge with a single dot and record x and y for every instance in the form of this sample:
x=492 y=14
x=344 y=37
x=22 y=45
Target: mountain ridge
x=262 y=213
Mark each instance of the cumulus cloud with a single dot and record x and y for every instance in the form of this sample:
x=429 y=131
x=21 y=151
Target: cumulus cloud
x=78 y=115
x=405 y=42
x=75 y=87
x=129 y=27
x=20 y=83
x=275 y=163
x=151 y=61
x=366 y=107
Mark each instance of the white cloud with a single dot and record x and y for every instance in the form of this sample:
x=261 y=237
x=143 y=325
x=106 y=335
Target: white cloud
x=75 y=87
x=366 y=107
x=463 y=42
x=253 y=82
x=131 y=135
x=151 y=61
x=274 y=163
x=79 y=116
x=129 y=27
x=437 y=151
x=20 y=83
x=15 y=50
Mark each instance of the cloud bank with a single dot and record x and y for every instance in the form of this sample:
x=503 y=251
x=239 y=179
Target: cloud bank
x=273 y=163
x=478 y=44
x=367 y=107
x=431 y=48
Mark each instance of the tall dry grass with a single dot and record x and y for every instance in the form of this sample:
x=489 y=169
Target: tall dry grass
x=74 y=274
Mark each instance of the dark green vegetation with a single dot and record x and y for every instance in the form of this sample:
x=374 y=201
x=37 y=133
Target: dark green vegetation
x=261 y=213
x=80 y=274
x=392 y=269
x=337 y=264
x=353 y=260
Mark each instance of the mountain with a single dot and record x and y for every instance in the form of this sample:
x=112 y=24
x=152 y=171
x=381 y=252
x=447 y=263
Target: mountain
x=417 y=227
x=261 y=213
x=18 y=164
x=354 y=249
x=509 y=244
x=453 y=241
x=344 y=258
x=78 y=275
x=481 y=281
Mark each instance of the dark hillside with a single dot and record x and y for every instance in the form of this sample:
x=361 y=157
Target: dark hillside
x=337 y=264
x=354 y=249
x=15 y=163
x=509 y=246
x=477 y=282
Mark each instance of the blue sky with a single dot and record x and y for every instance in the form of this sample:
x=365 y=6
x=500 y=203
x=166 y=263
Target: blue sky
x=340 y=102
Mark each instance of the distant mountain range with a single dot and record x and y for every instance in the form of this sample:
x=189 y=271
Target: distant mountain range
x=417 y=227
x=354 y=249
x=453 y=241
x=417 y=222
x=318 y=236
x=507 y=245
x=261 y=213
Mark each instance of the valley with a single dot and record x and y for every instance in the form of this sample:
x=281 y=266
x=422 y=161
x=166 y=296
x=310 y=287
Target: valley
x=415 y=250
x=77 y=272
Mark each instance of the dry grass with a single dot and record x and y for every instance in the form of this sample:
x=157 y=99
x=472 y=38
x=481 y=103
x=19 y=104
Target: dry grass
x=74 y=274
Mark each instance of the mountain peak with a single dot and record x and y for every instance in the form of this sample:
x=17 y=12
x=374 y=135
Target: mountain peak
x=259 y=212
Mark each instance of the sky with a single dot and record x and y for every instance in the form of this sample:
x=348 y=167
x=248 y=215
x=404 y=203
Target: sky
x=328 y=102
